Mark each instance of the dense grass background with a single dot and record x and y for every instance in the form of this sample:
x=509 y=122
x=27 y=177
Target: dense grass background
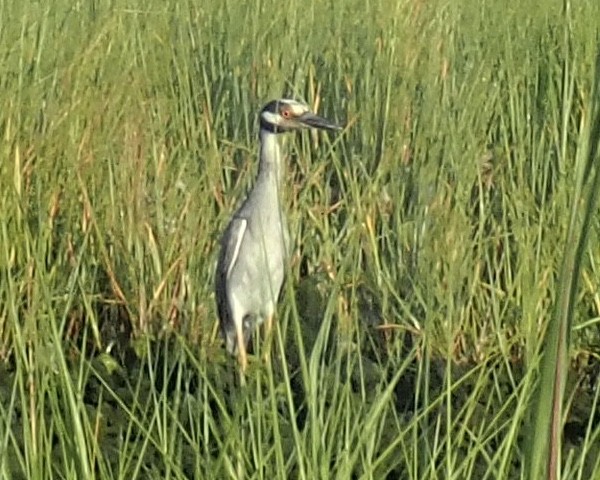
x=429 y=237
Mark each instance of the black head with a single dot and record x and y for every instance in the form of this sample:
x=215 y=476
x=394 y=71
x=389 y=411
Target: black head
x=285 y=115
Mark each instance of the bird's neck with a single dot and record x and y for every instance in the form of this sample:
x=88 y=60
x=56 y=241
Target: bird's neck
x=270 y=168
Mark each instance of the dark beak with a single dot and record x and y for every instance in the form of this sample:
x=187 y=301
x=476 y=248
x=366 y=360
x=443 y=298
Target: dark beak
x=311 y=120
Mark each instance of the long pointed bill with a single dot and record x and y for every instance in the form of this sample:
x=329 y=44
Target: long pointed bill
x=311 y=120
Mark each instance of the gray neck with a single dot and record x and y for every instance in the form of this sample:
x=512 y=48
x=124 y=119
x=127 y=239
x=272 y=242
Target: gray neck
x=271 y=166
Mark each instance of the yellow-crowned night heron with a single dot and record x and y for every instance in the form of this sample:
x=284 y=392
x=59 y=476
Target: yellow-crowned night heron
x=254 y=247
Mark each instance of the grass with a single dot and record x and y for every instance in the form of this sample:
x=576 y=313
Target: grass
x=437 y=239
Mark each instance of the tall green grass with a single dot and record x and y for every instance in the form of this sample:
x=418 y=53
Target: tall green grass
x=429 y=238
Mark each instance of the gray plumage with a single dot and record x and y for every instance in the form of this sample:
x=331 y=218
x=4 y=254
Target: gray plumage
x=255 y=245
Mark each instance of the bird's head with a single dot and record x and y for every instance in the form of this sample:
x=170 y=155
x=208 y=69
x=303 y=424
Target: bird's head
x=285 y=115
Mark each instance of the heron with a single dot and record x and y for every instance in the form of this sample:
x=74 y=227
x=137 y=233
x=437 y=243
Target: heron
x=255 y=244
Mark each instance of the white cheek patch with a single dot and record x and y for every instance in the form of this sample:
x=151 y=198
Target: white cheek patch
x=271 y=118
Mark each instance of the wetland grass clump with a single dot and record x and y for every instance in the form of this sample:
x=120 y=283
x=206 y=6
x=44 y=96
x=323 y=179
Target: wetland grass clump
x=444 y=280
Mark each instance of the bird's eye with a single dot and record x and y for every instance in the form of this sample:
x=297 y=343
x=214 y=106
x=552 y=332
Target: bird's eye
x=285 y=113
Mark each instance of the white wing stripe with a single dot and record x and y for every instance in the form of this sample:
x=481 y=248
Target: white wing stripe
x=241 y=225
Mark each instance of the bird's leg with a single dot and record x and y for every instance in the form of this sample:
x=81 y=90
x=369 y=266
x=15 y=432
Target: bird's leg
x=241 y=344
